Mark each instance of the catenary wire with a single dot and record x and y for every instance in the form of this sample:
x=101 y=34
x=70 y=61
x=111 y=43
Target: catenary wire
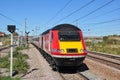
x=103 y=14
x=59 y=11
x=104 y=22
x=9 y=19
x=94 y=11
x=75 y=11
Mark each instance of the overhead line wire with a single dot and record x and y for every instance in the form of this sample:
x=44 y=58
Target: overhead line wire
x=104 y=22
x=108 y=30
x=109 y=21
x=9 y=18
x=111 y=11
x=76 y=11
x=60 y=11
x=94 y=10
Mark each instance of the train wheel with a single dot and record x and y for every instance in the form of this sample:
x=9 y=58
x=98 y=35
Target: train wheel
x=53 y=65
x=55 y=68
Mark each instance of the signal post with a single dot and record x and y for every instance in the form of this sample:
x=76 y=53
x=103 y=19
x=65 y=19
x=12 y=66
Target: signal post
x=11 y=29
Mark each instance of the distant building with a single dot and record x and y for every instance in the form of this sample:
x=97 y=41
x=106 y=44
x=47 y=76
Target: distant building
x=2 y=34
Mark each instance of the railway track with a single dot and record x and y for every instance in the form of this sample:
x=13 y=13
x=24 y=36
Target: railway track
x=6 y=47
x=110 y=60
x=3 y=48
x=85 y=75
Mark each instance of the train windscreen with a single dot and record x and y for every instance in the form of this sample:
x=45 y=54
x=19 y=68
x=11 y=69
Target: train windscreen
x=69 y=36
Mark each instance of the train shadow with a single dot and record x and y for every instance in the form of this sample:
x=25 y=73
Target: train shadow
x=73 y=70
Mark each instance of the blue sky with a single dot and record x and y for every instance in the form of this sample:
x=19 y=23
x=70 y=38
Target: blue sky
x=41 y=15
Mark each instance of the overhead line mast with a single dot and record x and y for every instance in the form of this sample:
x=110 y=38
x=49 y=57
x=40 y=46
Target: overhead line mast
x=25 y=25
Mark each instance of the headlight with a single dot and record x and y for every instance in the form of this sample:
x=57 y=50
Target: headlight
x=81 y=50
x=62 y=50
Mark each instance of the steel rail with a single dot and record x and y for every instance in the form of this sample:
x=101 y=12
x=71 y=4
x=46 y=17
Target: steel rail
x=74 y=76
x=104 y=59
x=3 y=48
x=117 y=57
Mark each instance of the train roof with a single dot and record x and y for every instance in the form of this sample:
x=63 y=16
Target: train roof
x=63 y=27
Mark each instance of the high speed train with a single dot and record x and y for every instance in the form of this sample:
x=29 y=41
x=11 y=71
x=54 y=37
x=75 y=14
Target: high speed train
x=63 y=46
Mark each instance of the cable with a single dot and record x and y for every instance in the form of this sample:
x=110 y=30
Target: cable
x=60 y=11
x=105 y=31
x=10 y=19
x=94 y=10
x=105 y=22
x=75 y=11
x=109 y=12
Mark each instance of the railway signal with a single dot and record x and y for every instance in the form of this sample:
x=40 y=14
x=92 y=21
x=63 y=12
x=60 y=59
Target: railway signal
x=11 y=29
x=27 y=38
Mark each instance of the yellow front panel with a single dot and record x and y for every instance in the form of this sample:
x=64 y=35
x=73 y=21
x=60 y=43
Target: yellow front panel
x=66 y=45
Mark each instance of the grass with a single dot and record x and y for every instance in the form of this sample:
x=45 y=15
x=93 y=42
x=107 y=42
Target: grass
x=4 y=62
x=20 y=65
x=106 y=49
x=8 y=78
x=108 y=44
x=21 y=47
x=19 y=62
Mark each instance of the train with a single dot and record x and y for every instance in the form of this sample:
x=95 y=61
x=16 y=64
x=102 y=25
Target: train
x=63 y=46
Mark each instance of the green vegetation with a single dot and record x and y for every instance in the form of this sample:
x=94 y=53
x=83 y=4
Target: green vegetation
x=19 y=62
x=6 y=39
x=8 y=78
x=21 y=47
x=4 y=62
x=108 y=44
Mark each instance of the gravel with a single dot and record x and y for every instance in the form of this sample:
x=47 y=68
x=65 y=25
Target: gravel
x=103 y=70
x=39 y=68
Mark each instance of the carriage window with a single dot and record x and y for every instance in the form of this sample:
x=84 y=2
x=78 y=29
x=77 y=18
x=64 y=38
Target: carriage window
x=69 y=36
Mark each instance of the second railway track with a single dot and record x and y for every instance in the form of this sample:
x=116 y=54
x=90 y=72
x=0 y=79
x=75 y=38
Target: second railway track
x=110 y=60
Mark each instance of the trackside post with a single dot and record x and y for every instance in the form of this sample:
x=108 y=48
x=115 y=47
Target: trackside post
x=11 y=29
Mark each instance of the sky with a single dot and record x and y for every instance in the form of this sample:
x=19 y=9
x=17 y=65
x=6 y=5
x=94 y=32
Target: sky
x=93 y=17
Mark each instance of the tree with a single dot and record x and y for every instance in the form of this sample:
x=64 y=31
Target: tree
x=105 y=39
x=15 y=34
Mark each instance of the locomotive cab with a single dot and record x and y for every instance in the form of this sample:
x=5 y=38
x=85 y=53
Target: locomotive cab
x=67 y=47
x=70 y=42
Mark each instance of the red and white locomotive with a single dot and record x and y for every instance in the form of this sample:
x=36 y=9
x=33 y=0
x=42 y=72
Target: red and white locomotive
x=63 y=45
